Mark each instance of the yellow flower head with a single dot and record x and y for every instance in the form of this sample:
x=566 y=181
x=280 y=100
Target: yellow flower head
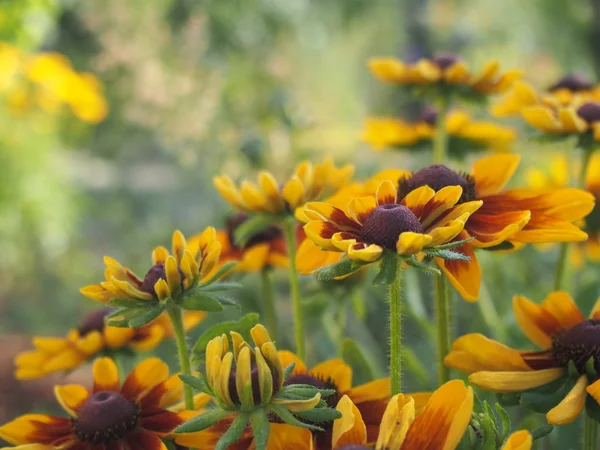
x=444 y=70
x=136 y=414
x=370 y=225
x=465 y=133
x=93 y=336
x=170 y=274
x=308 y=183
x=258 y=373
x=561 y=373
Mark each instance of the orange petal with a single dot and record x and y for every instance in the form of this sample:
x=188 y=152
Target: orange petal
x=336 y=369
x=465 y=276
x=144 y=377
x=286 y=357
x=571 y=406
x=350 y=428
x=505 y=382
x=493 y=172
x=106 y=375
x=520 y=440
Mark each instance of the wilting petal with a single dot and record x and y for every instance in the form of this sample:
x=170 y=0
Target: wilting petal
x=571 y=406
x=515 y=381
x=493 y=172
x=475 y=352
x=444 y=420
x=350 y=428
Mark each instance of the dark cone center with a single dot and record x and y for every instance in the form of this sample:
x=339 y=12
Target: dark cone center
x=590 y=112
x=444 y=59
x=438 y=176
x=156 y=273
x=387 y=222
x=94 y=321
x=234 y=222
x=105 y=416
x=578 y=344
x=429 y=115
x=574 y=82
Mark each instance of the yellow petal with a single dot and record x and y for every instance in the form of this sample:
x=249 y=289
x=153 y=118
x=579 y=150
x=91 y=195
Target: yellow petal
x=397 y=419
x=299 y=405
x=243 y=378
x=365 y=252
x=493 y=172
x=260 y=335
x=293 y=192
x=159 y=255
x=542 y=118
x=410 y=243
x=388 y=69
x=350 y=429
x=360 y=208
x=71 y=397
x=337 y=370
x=520 y=440
x=515 y=381
x=162 y=289
x=386 y=193
x=571 y=406
x=270 y=188
x=172 y=274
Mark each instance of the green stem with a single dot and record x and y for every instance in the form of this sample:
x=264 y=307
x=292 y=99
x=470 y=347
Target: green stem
x=176 y=316
x=290 y=238
x=590 y=433
x=396 y=332
x=442 y=312
x=585 y=162
x=269 y=302
x=440 y=142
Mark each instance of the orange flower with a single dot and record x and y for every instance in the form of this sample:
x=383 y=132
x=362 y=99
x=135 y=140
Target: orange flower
x=566 y=338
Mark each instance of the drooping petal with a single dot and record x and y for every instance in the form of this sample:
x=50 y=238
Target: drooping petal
x=571 y=406
x=515 y=381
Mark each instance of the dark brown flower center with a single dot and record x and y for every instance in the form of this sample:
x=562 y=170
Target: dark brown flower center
x=444 y=59
x=157 y=272
x=233 y=392
x=387 y=222
x=574 y=82
x=106 y=416
x=94 y=321
x=590 y=112
x=234 y=222
x=437 y=177
x=578 y=344
x=429 y=115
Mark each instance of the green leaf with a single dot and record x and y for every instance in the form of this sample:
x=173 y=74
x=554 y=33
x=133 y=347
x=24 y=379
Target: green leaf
x=197 y=383
x=131 y=303
x=252 y=227
x=242 y=326
x=288 y=370
x=203 y=421
x=546 y=397
x=223 y=270
x=260 y=427
x=447 y=254
x=200 y=301
x=284 y=414
x=352 y=354
x=320 y=415
x=135 y=317
x=414 y=262
x=504 y=420
x=388 y=270
x=344 y=267
x=488 y=425
x=542 y=431
x=509 y=399
x=506 y=245
x=452 y=244
x=233 y=433
x=222 y=286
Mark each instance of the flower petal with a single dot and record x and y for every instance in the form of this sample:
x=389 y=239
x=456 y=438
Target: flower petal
x=71 y=397
x=144 y=377
x=465 y=276
x=571 y=406
x=505 y=382
x=336 y=369
x=286 y=357
x=365 y=252
x=493 y=172
x=520 y=440
x=285 y=437
x=143 y=440
x=350 y=428
x=410 y=243
x=374 y=390
x=417 y=199
x=386 y=193
x=388 y=69
x=397 y=419
x=106 y=375
x=35 y=428
x=542 y=118
x=360 y=208
x=442 y=201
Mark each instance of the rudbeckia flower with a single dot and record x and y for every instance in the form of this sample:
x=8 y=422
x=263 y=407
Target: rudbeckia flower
x=266 y=248
x=440 y=425
x=406 y=226
x=370 y=398
x=573 y=88
x=557 y=379
x=446 y=71
x=267 y=196
x=465 y=133
x=93 y=336
x=172 y=277
x=135 y=415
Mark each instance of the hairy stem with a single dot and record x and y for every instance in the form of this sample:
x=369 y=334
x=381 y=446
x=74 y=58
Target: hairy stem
x=442 y=312
x=396 y=332
x=176 y=316
x=295 y=288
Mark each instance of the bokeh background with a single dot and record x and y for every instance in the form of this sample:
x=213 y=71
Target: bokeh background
x=110 y=141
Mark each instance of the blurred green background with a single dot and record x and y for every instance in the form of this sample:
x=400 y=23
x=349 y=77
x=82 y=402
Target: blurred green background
x=196 y=88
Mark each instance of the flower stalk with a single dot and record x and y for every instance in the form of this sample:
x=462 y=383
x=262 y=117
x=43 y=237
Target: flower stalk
x=176 y=316
x=590 y=433
x=396 y=331
x=290 y=238
x=268 y=301
x=442 y=312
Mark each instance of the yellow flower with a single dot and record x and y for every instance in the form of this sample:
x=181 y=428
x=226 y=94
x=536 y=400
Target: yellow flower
x=370 y=225
x=570 y=89
x=137 y=414
x=170 y=274
x=258 y=373
x=265 y=248
x=93 y=336
x=307 y=184
x=440 y=425
x=561 y=369
x=465 y=133
x=444 y=70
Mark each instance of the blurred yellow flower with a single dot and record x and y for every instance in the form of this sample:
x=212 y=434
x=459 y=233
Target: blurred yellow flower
x=465 y=133
x=48 y=81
